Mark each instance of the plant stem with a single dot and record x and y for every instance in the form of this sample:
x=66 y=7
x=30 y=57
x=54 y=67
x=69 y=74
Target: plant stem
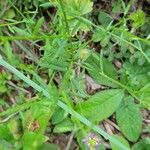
x=120 y=84
x=32 y=37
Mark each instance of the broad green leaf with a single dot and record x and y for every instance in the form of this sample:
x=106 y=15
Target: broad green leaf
x=129 y=119
x=120 y=139
x=5 y=133
x=37 y=117
x=64 y=126
x=32 y=140
x=94 y=64
x=143 y=144
x=101 y=105
x=9 y=14
x=58 y=115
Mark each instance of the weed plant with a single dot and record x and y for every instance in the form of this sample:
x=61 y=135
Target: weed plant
x=48 y=48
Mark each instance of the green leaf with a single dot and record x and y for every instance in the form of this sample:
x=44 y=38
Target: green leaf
x=122 y=140
x=134 y=75
x=5 y=133
x=32 y=140
x=15 y=128
x=117 y=6
x=5 y=145
x=64 y=126
x=144 y=96
x=138 y=18
x=56 y=65
x=38 y=25
x=80 y=7
x=9 y=53
x=77 y=8
x=129 y=119
x=143 y=144
x=21 y=31
x=9 y=14
x=101 y=105
x=104 y=18
x=46 y=5
x=37 y=117
x=94 y=64
x=48 y=146
x=58 y=115
x=100 y=34
x=101 y=147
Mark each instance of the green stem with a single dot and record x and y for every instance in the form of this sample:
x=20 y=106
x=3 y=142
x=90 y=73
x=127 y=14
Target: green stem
x=12 y=23
x=32 y=37
x=120 y=84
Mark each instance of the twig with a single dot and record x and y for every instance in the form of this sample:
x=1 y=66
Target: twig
x=113 y=124
x=70 y=140
x=107 y=127
x=146 y=120
x=7 y=118
x=18 y=88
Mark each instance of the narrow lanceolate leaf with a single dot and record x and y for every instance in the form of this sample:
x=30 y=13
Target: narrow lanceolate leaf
x=101 y=105
x=129 y=119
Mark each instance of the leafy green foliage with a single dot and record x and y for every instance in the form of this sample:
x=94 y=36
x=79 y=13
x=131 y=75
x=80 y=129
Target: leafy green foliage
x=4 y=76
x=64 y=126
x=97 y=65
x=129 y=119
x=104 y=18
x=104 y=104
x=32 y=140
x=143 y=144
x=138 y=18
x=135 y=76
x=122 y=140
x=56 y=44
x=78 y=8
x=5 y=133
x=46 y=146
